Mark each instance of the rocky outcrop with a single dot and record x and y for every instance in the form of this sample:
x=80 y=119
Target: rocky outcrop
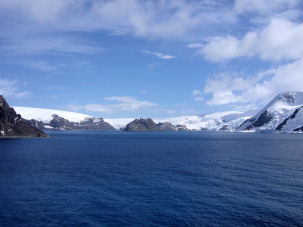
x=97 y=124
x=142 y=125
x=148 y=125
x=13 y=125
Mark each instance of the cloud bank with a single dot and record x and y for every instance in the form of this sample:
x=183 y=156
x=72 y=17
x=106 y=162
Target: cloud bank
x=280 y=40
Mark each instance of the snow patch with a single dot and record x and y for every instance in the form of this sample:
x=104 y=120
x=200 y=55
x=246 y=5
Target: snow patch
x=119 y=123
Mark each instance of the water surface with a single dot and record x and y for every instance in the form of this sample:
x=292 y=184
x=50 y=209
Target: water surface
x=175 y=179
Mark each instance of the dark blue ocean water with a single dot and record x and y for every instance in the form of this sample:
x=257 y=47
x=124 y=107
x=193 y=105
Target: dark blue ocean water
x=152 y=179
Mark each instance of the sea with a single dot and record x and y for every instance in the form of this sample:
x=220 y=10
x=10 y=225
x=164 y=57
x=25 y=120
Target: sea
x=152 y=179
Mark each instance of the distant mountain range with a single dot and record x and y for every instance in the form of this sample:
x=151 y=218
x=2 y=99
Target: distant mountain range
x=283 y=114
x=65 y=120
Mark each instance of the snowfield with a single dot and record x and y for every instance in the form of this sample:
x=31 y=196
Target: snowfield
x=118 y=123
x=45 y=115
x=214 y=121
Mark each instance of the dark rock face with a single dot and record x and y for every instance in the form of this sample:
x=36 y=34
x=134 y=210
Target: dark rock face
x=289 y=97
x=60 y=123
x=148 y=125
x=246 y=122
x=37 y=124
x=280 y=126
x=12 y=124
x=142 y=125
x=300 y=129
x=224 y=128
x=264 y=118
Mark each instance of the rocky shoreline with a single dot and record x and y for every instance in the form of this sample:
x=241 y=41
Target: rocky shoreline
x=12 y=125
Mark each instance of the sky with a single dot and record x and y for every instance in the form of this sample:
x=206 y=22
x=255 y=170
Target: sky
x=149 y=58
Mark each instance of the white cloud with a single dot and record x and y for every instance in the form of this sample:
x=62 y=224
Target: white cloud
x=197 y=95
x=11 y=88
x=280 y=40
x=257 y=89
x=27 y=25
x=55 y=44
x=194 y=45
x=122 y=104
x=196 y=92
x=149 y=19
x=158 y=55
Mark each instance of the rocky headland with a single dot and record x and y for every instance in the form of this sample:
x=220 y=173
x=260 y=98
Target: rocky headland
x=13 y=125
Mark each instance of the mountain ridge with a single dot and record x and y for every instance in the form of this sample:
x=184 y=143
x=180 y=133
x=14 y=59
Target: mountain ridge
x=284 y=113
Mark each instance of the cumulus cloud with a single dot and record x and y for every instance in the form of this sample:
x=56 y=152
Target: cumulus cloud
x=121 y=104
x=158 y=55
x=256 y=89
x=11 y=88
x=280 y=40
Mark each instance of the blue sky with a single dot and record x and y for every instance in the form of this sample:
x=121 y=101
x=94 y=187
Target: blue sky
x=132 y=58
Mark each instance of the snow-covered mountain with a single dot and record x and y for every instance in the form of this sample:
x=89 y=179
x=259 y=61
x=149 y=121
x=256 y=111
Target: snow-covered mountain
x=227 y=121
x=62 y=120
x=283 y=113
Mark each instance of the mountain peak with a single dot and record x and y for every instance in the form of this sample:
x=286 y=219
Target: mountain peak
x=272 y=115
x=289 y=97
